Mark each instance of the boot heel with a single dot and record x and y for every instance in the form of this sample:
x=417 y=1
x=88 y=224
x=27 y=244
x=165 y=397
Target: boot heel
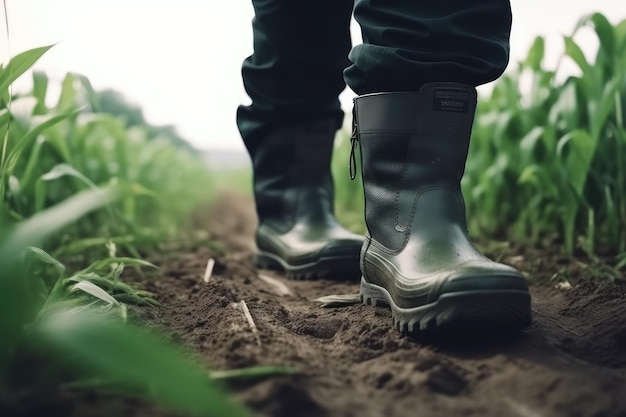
x=373 y=294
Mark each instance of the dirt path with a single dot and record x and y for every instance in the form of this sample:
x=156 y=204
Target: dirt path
x=571 y=362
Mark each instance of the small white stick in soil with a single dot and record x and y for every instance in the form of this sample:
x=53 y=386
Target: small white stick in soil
x=246 y=313
x=563 y=285
x=339 y=300
x=521 y=410
x=209 y=270
x=279 y=288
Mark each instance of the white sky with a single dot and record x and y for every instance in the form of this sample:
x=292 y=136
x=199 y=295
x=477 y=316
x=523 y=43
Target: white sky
x=180 y=61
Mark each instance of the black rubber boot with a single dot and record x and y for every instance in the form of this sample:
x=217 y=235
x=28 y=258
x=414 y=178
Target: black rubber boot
x=293 y=188
x=417 y=256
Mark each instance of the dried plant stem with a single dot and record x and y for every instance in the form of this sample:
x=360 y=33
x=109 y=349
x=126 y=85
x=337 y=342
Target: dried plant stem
x=209 y=270
x=246 y=313
x=278 y=287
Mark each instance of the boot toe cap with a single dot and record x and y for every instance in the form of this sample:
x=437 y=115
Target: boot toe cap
x=495 y=277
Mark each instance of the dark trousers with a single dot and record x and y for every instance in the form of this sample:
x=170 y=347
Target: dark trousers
x=302 y=53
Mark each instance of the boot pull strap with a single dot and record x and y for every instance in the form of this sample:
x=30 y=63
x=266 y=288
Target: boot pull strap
x=353 y=140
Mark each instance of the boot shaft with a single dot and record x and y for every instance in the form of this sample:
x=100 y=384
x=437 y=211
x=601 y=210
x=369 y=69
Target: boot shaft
x=413 y=144
x=291 y=168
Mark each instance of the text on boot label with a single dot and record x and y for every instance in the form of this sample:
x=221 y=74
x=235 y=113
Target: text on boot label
x=451 y=100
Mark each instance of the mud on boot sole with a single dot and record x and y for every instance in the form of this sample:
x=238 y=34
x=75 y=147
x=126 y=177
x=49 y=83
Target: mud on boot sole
x=341 y=268
x=467 y=310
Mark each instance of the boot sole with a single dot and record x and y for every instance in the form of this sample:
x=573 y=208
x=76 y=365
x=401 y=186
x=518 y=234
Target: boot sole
x=464 y=310
x=336 y=267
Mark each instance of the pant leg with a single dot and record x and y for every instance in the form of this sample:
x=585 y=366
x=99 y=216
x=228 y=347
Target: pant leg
x=409 y=43
x=295 y=73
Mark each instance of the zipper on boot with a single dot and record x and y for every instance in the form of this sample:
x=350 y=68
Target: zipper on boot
x=354 y=138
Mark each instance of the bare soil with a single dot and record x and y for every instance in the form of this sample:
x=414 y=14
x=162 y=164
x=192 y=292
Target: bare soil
x=352 y=362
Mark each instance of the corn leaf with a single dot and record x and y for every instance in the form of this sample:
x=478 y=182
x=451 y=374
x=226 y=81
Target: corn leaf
x=138 y=360
x=92 y=289
x=20 y=64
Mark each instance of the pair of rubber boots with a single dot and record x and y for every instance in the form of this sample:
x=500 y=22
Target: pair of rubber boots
x=417 y=257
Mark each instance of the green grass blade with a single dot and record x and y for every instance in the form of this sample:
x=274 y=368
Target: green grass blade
x=580 y=152
x=95 y=291
x=20 y=64
x=35 y=229
x=535 y=54
x=45 y=257
x=605 y=32
x=29 y=137
x=142 y=362
x=40 y=90
x=99 y=265
x=61 y=170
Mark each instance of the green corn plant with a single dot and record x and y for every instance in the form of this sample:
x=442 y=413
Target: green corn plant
x=546 y=161
x=75 y=332
x=50 y=153
x=70 y=180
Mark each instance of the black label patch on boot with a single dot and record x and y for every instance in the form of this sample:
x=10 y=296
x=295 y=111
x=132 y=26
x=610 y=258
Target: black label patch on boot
x=447 y=99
